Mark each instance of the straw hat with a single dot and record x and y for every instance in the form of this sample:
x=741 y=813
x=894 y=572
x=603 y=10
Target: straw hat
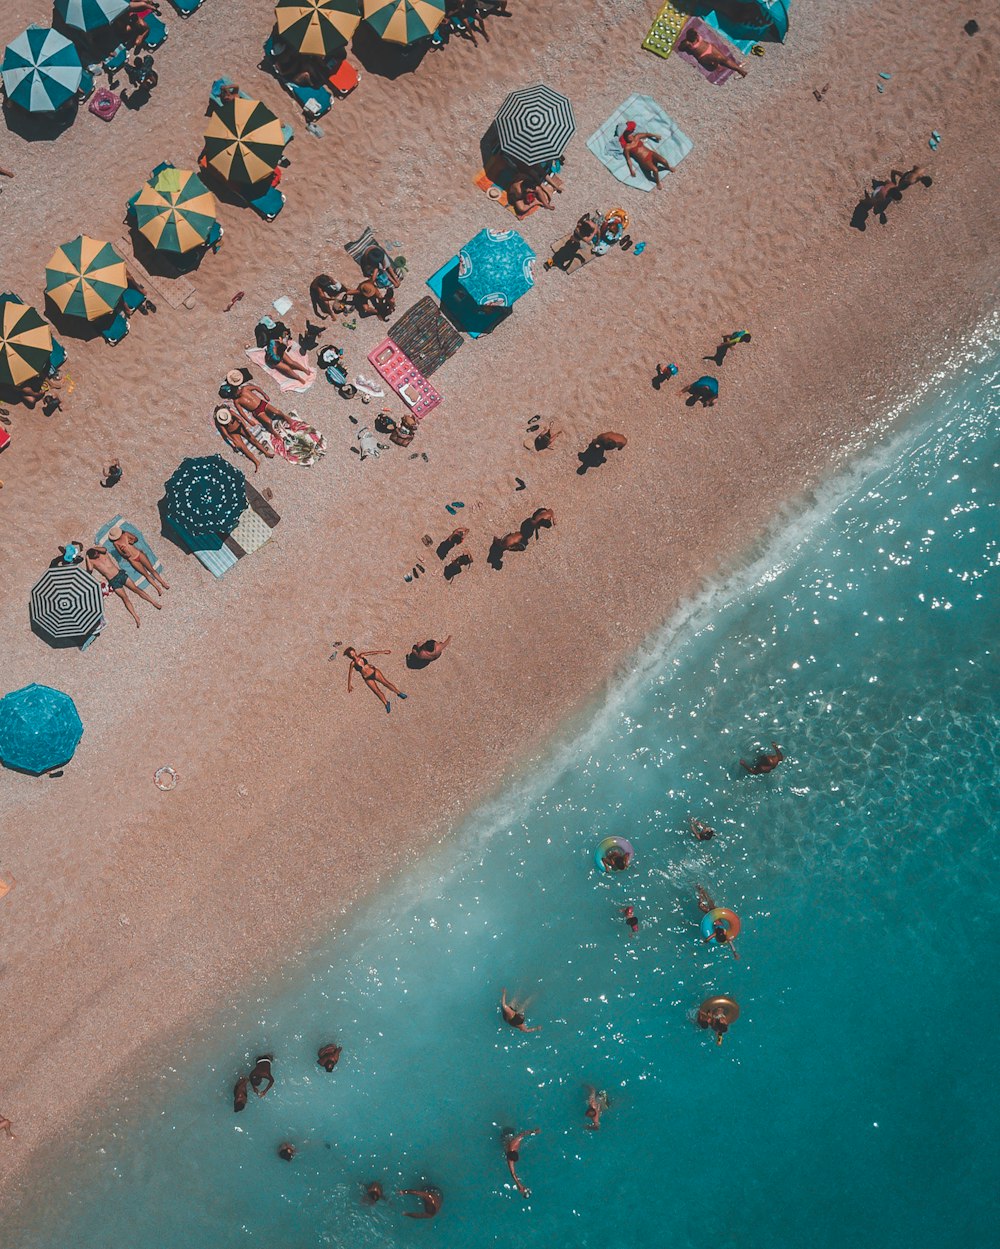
x=235 y=377
x=223 y=415
x=115 y=532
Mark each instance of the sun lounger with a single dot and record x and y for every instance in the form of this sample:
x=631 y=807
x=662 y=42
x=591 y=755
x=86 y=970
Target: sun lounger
x=157 y=33
x=133 y=299
x=115 y=59
x=101 y=539
x=186 y=7
x=649 y=116
x=715 y=76
x=221 y=552
x=117 y=330
x=58 y=357
x=269 y=204
x=315 y=101
x=86 y=86
x=344 y=79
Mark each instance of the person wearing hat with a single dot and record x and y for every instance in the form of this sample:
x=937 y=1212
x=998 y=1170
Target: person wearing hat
x=648 y=159
x=126 y=544
x=252 y=403
x=232 y=427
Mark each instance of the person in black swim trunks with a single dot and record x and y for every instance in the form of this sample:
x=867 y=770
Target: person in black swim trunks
x=98 y=560
x=261 y=1074
x=513 y=1015
x=512 y=1152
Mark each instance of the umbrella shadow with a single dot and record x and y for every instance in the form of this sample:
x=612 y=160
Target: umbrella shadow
x=75 y=327
x=157 y=263
x=489 y=144
x=39 y=127
x=387 y=60
x=57 y=644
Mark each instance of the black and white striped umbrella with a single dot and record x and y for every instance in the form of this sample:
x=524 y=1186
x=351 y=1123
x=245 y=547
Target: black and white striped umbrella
x=535 y=124
x=66 y=603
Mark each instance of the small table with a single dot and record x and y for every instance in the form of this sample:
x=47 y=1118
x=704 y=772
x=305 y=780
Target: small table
x=404 y=377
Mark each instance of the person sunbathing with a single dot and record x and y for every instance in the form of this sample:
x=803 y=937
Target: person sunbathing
x=98 y=560
x=327 y=296
x=707 y=54
x=126 y=544
x=39 y=391
x=253 y=404
x=277 y=358
x=525 y=193
x=370 y=300
x=633 y=143
x=234 y=430
x=228 y=93
x=371 y=675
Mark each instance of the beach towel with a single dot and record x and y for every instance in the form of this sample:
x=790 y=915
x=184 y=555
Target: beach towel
x=257 y=356
x=674 y=144
x=219 y=552
x=101 y=539
x=569 y=255
x=295 y=441
x=714 y=76
x=426 y=336
x=666 y=27
x=497 y=175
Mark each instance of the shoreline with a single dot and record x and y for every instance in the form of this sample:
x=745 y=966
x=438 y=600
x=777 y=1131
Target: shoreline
x=71 y=897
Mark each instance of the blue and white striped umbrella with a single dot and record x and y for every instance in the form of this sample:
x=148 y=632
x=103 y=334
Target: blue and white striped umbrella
x=41 y=70
x=90 y=14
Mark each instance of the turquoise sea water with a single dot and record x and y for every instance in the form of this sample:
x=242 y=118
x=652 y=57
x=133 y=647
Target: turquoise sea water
x=852 y=1104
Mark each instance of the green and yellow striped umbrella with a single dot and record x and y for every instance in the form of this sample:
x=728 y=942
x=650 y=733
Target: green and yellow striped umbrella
x=25 y=342
x=86 y=278
x=175 y=211
x=317 y=27
x=244 y=141
x=404 y=21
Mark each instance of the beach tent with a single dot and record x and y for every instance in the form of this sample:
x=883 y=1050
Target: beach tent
x=746 y=19
x=534 y=125
x=41 y=70
x=317 y=27
x=206 y=494
x=40 y=728
x=244 y=141
x=90 y=14
x=175 y=210
x=86 y=278
x=496 y=268
x=66 y=603
x=25 y=342
x=404 y=21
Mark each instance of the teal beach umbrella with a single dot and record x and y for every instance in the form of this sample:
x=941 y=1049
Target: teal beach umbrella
x=40 y=728
x=90 y=14
x=206 y=494
x=496 y=268
x=41 y=70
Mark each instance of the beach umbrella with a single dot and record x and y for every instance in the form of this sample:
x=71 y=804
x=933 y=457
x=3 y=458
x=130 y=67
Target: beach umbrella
x=25 y=342
x=404 y=21
x=317 y=27
x=496 y=268
x=86 y=278
x=206 y=494
x=175 y=210
x=41 y=70
x=244 y=141
x=39 y=728
x=535 y=124
x=66 y=602
x=90 y=14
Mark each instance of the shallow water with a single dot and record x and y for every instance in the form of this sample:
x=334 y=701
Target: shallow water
x=848 y=1103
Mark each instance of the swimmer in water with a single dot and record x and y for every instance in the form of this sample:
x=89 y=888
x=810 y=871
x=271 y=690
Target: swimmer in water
x=629 y=914
x=615 y=859
x=513 y=1015
x=329 y=1056
x=512 y=1152
x=430 y=1199
x=240 y=1094
x=700 y=830
x=286 y=1151
x=717 y=1018
x=705 y=903
x=372 y=1194
x=720 y=933
x=597 y=1103
x=261 y=1074
x=764 y=762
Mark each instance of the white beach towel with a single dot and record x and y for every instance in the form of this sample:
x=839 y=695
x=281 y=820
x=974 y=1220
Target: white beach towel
x=674 y=144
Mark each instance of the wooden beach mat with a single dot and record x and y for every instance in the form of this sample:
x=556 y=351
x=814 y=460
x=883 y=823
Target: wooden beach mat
x=665 y=30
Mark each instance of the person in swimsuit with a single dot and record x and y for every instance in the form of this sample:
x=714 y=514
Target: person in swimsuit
x=277 y=358
x=253 y=404
x=514 y=1015
x=883 y=194
x=371 y=675
x=126 y=544
x=240 y=1094
x=707 y=54
x=541 y=518
x=717 y=1018
x=430 y=1199
x=728 y=342
x=424 y=653
x=329 y=1056
x=634 y=148
x=7 y=1127
x=701 y=830
x=512 y=1152
x=764 y=762
x=372 y=1194
x=615 y=859
x=111 y=474
x=376 y=262
x=454 y=539
x=233 y=428
x=524 y=193
x=597 y=1103
x=595 y=453
x=98 y=560
x=261 y=1074
x=286 y=1151
x=327 y=296
x=704 y=390
x=542 y=440
x=370 y=300
x=628 y=912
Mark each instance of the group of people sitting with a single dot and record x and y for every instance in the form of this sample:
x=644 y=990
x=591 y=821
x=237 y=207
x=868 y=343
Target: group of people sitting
x=466 y=17
x=375 y=294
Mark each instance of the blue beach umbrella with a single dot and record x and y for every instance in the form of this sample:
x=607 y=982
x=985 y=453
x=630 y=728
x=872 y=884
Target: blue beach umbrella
x=41 y=70
x=496 y=268
x=206 y=494
x=40 y=728
x=90 y=14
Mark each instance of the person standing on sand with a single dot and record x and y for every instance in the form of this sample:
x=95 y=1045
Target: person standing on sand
x=764 y=762
x=430 y=1199
x=541 y=518
x=371 y=675
x=98 y=560
x=125 y=543
x=261 y=1074
x=111 y=474
x=596 y=450
x=512 y=1152
x=704 y=390
x=514 y=1015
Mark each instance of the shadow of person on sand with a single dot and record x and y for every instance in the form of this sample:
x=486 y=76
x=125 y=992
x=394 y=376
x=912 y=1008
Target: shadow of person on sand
x=590 y=457
x=859 y=219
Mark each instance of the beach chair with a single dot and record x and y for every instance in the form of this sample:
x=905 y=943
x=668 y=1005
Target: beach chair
x=133 y=299
x=4 y=439
x=115 y=60
x=316 y=102
x=186 y=7
x=117 y=330
x=57 y=358
x=269 y=204
x=86 y=88
x=157 y=33
x=344 y=79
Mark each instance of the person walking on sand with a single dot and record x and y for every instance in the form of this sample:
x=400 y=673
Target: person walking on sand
x=597 y=1103
x=371 y=675
x=430 y=1199
x=240 y=1094
x=764 y=762
x=541 y=518
x=98 y=560
x=512 y=1152
x=729 y=341
x=633 y=143
x=126 y=544
x=596 y=450
x=514 y=1014
x=261 y=1074
x=707 y=54
x=329 y=1056
x=701 y=830
x=424 y=653
x=234 y=430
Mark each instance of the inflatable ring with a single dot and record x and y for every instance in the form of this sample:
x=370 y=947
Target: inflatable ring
x=724 y=918
x=730 y=1010
x=165 y=779
x=610 y=843
x=618 y=214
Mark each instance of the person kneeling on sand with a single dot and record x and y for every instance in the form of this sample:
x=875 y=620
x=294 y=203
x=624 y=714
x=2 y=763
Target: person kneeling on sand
x=541 y=518
x=369 y=300
x=526 y=193
x=707 y=54
x=126 y=544
x=234 y=430
x=327 y=296
x=704 y=390
x=596 y=451
x=423 y=653
x=98 y=560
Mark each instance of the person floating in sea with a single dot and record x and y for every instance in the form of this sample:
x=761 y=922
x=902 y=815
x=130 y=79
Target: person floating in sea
x=240 y=1094
x=372 y=1194
x=764 y=762
x=514 y=1014
x=597 y=1103
x=701 y=830
x=720 y=933
x=615 y=859
x=717 y=1013
x=286 y=1151
x=329 y=1056
x=628 y=913
x=430 y=1199
x=261 y=1074
x=371 y=675
x=512 y=1152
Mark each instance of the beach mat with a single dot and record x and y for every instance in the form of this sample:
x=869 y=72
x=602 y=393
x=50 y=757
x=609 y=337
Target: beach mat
x=257 y=356
x=715 y=76
x=498 y=174
x=674 y=144
x=101 y=539
x=426 y=336
x=665 y=30
x=570 y=257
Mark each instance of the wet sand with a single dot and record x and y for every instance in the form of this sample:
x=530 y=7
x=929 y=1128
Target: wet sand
x=138 y=912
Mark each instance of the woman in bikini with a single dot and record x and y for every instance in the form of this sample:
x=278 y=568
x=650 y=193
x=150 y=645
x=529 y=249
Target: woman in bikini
x=648 y=159
x=708 y=55
x=371 y=675
x=231 y=426
x=277 y=358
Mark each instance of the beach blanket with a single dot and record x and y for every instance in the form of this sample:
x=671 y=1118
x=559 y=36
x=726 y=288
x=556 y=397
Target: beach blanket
x=258 y=357
x=101 y=539
x=664 y=32
x=496 y=176
x=673 y=144
x=219 y=552
x=569 y=255
x=426 y=336
x=295 y=441
x=715 y=76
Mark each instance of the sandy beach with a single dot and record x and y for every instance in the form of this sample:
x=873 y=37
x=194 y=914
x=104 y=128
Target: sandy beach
x=138 y=912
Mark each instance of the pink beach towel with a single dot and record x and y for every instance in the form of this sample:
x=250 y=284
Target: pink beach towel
x=716 y=76
x=256 y=356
